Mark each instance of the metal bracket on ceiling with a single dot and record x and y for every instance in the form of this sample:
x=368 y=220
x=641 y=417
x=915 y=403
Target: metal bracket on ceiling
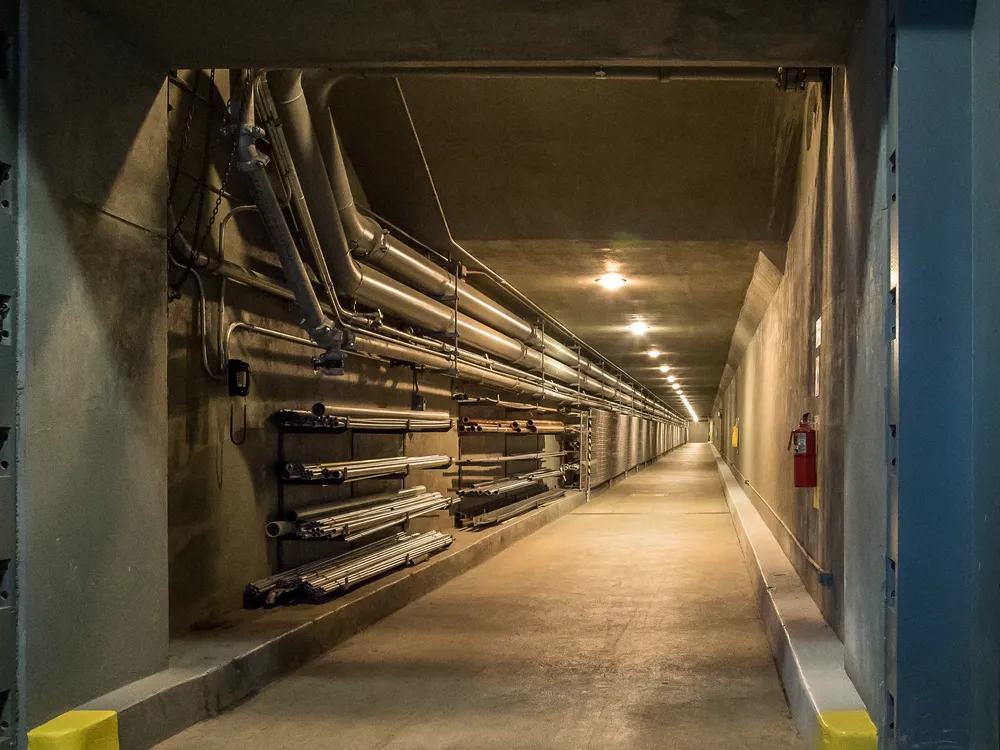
x=795 y=79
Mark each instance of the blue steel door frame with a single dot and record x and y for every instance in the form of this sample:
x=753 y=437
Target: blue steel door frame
x=933 y=568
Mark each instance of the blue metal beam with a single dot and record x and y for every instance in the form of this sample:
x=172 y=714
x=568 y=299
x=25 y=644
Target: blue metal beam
x=930 y=624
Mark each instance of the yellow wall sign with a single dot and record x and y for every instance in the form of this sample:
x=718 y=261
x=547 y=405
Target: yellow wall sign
x=736 y=436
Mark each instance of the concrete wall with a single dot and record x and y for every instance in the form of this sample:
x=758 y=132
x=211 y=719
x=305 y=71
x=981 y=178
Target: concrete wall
x=836 y=273
x=220 y=494
x=92 y=500
x=698 y=432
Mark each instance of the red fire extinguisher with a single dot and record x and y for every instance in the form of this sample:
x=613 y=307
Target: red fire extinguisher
x=802 y=442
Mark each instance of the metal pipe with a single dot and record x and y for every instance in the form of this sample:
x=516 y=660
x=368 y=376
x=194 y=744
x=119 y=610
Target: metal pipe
x=324 y=577
x=376 y=246
x=663 y=74
x=499 y=459
x=279 y=528
x=432 y=354
x=252 y=163
x=338 y=410
x=346 y=471
x=314 y=511
x=365 y=230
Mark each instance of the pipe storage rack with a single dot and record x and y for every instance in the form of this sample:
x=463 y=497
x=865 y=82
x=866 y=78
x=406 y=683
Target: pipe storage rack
x=351 y=519
x=322 y=578
x=494 y=486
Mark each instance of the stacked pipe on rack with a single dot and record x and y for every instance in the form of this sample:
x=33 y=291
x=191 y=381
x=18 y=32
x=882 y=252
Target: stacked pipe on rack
x=322 y=578
x=499 y=459
x=351 y=525
x=352 y=471
x=513 y=405
x=509 y=484
x=335 y=417
x=296 y=515
x=470 y=424
x=514 y=509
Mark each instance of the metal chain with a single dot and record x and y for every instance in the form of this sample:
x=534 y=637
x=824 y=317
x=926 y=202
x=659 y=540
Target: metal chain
x=199 y=190
x=198 y=241
x=229 y=167
x=193 y=95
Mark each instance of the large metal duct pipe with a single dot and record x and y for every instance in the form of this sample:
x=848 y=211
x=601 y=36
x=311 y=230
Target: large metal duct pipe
x=320 y=328
x=471 y=367
x=379 y=248
x=369 y=286
x=373 y=288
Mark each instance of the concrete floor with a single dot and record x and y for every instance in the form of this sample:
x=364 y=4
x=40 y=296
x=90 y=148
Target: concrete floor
x=627 y=623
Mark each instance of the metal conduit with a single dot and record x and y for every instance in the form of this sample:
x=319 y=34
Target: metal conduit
x=663 y=74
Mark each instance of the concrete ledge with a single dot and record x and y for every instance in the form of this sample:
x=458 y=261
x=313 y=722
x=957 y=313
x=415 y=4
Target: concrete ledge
x=825 y=705
x=214 y=674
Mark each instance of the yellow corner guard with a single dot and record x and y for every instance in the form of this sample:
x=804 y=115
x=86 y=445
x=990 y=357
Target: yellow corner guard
x=846 y=730
x=77 y=730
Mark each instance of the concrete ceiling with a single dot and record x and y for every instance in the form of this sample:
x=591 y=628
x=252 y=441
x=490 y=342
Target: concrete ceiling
x=689 y=293
x=278 y=33
x=678 y=186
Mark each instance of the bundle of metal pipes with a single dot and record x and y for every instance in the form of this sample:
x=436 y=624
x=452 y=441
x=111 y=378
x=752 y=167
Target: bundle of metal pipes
x=509 y=484
x=322 y=578
x=500 y=459
x=513 y=405
x=305 y=420
x=352 y=471
x=514 y=509
x=296 y=515
x=351 y=525
x=474 y=424
x=305 y=148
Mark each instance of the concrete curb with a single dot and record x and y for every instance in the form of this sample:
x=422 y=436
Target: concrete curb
x=825 y=705
x=161 y=705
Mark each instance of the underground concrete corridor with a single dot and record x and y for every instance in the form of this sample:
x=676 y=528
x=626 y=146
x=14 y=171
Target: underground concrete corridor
x=627 y=623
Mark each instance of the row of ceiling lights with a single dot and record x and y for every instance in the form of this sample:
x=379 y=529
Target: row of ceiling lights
x=612 y=281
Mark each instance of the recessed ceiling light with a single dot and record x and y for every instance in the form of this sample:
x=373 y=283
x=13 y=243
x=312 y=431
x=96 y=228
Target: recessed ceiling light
x=638 y=328
x=611 y=281
x=676 y=387
x=654 y=353
x=671 y=378
x=664 y=368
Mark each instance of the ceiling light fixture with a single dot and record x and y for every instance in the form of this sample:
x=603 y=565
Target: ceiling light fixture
x=664 y=368
x=654 y=352
x=676 y=387
x=671 y=378
x=688 y=405
x=611 y=281
x=638 y=328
